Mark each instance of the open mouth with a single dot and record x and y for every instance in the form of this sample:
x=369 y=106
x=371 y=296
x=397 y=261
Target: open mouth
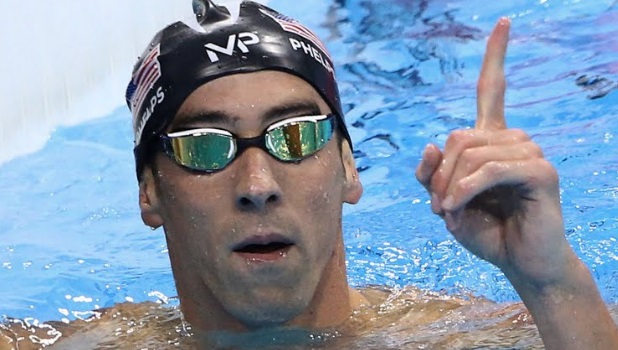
x=268 y=248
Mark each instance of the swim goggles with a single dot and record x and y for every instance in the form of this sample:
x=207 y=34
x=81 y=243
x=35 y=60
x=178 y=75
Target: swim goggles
x=210 y=149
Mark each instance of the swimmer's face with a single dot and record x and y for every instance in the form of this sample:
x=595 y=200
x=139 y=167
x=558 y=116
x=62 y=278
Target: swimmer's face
x=258 y=238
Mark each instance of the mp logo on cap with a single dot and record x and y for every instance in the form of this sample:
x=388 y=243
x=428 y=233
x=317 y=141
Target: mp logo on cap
x=240 y=41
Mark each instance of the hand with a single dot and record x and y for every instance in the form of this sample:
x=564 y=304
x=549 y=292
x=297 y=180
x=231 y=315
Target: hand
x=500 y=198
x=497 y=194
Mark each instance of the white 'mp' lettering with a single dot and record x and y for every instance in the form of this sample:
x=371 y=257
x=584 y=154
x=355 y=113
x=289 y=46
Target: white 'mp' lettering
x=244 y=39
x=228 y=50
x=242 y=44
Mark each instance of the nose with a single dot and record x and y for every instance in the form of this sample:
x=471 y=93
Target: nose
x=257 y=188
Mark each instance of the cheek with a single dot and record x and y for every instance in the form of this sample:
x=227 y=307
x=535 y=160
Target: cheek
x=193 y=231
x=328 y=180
x=182 y=190
x=321 y=195
x=190 y=209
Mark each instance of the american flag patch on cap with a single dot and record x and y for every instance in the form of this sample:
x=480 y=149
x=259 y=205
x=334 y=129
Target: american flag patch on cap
x=290 y=25
x=144 y=78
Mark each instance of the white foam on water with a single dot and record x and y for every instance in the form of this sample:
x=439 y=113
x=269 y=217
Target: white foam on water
x=64 y=61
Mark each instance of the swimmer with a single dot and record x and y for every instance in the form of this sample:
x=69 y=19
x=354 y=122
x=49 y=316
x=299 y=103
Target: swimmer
x=243 y=157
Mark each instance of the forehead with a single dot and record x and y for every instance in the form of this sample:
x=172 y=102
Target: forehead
x=254 y=93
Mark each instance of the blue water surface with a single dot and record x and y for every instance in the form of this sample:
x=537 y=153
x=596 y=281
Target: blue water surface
x=71 y=238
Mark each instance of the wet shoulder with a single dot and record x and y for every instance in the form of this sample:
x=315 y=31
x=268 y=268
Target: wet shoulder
x=405 y=318
x=126 y=325
x=409 y=318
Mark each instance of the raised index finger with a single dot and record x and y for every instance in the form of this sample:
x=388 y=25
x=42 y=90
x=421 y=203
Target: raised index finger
x=491 y=84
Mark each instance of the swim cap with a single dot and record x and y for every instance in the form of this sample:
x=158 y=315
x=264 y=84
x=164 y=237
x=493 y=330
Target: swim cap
x=182 y=57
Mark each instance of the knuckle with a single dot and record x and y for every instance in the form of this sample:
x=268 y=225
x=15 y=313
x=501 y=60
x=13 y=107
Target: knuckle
x=488 y=81
x=467 y=155
x=538 y=173
x=491 y=82
x=463 y=187
x=519 y=135
x=459 y=139
x=493 y=169
x=532 y=149
x=544 y=172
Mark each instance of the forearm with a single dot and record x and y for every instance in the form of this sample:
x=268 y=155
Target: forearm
x=572 y=314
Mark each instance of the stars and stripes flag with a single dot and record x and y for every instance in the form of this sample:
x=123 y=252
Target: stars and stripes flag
x=290 y=25
x=146 y=75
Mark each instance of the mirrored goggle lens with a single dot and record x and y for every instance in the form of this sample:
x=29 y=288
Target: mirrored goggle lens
x=206 y=152
x=213 y=149
x=296 y=140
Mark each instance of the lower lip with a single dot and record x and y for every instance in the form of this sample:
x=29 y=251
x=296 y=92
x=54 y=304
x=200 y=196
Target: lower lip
x=264 y=257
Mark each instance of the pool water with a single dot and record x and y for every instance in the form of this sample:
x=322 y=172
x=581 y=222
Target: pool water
x=71 y=238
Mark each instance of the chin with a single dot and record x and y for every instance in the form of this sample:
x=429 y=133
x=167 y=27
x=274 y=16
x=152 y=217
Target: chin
x=255 y=318
x=269 y=311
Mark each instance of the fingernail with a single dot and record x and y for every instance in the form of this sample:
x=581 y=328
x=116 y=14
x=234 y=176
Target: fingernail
x=448 y=203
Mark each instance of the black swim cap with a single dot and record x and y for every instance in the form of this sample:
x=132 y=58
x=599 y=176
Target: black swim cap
x=182 y=57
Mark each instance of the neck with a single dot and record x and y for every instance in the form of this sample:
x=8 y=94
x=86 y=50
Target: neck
x=333 y=300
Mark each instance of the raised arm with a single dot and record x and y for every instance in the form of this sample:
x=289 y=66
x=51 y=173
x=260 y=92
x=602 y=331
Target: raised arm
x=500 y=199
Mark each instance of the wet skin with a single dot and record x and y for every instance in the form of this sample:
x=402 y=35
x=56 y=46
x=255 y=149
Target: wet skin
x=259 y=243
x=492 y=186
x=497 y=194
x=500 y=199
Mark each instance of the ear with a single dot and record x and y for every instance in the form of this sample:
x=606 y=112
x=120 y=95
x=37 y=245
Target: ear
x=353 y=188
x=149 y=200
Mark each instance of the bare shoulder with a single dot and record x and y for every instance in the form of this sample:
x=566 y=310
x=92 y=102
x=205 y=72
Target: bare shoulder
x=418 y=309
x=416 y=318
x=123 y=322
x=28 y=334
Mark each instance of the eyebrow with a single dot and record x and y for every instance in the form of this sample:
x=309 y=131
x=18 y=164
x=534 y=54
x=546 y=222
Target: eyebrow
x=278 y=112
